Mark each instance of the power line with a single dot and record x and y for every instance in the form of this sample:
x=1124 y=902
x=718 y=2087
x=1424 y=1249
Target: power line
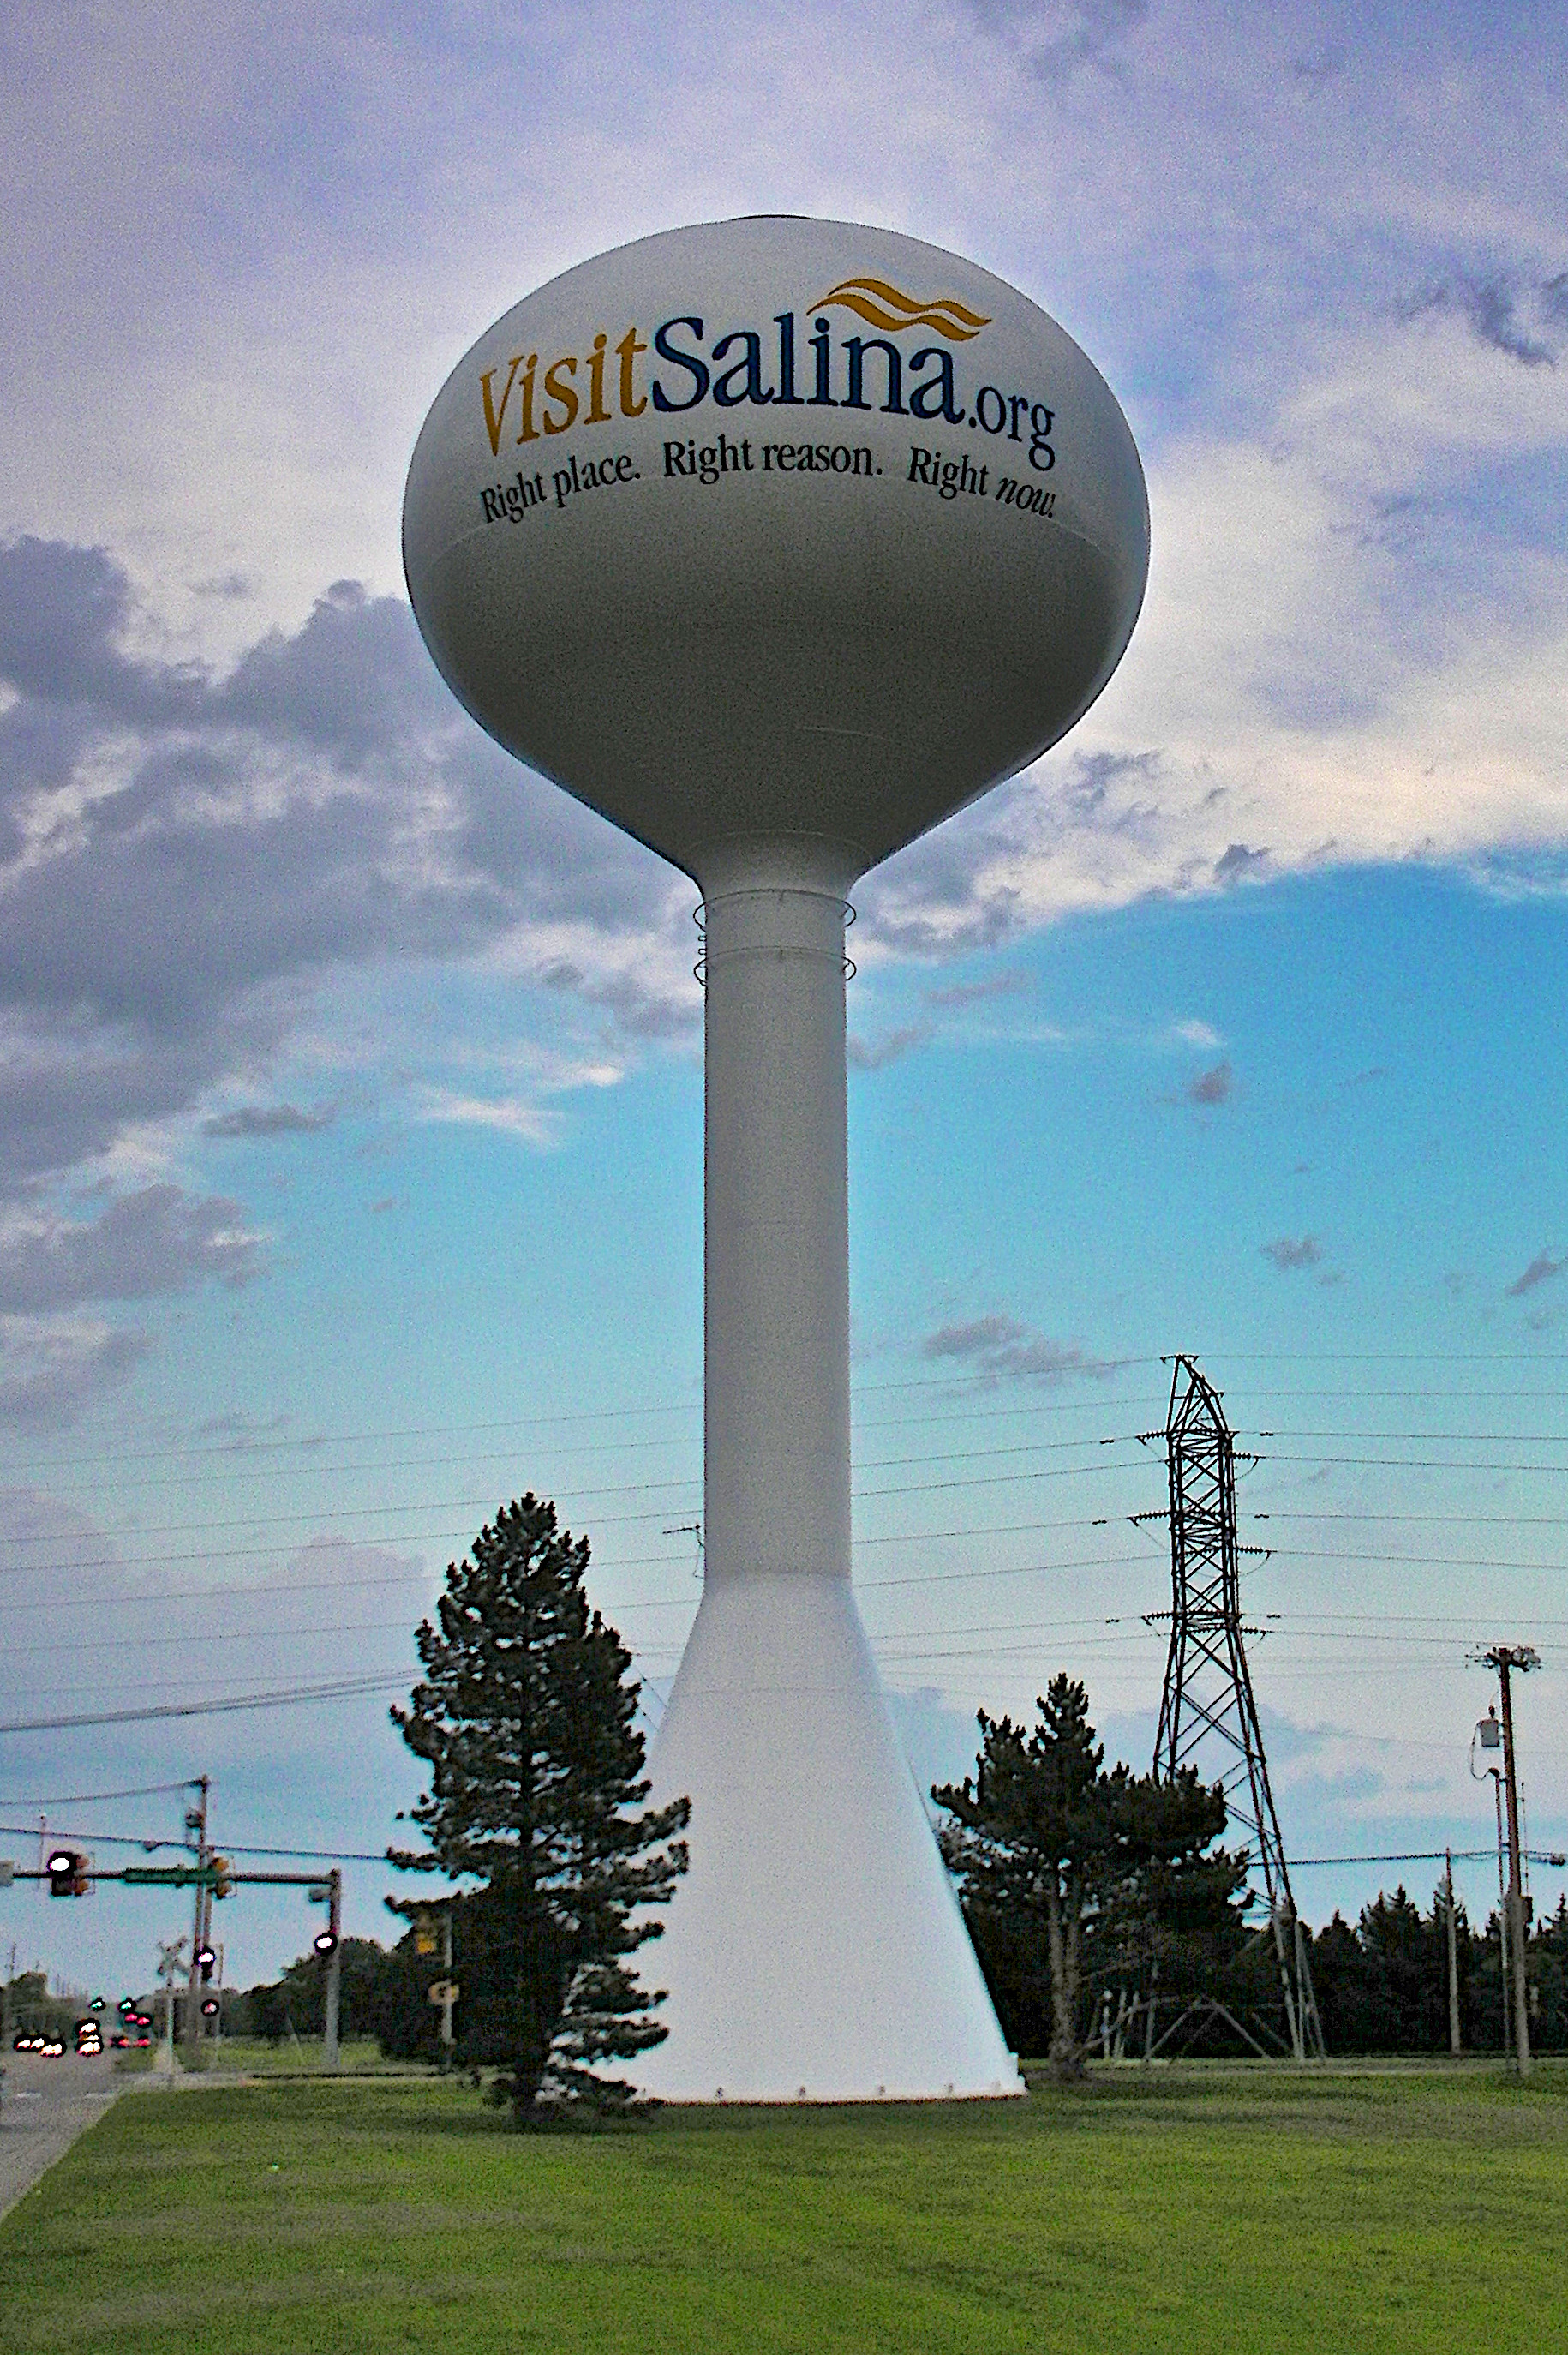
x=993 y=1411
x=693 y=1405
x=1413 y=1464
x=607 y=1520
x=579 y=1495
x=342 y=1688
x=86 y=1798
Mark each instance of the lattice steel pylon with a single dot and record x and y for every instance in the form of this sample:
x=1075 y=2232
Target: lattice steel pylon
x=1207 y=1701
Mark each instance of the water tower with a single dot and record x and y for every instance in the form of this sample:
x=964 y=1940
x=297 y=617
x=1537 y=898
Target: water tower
x=776 y=541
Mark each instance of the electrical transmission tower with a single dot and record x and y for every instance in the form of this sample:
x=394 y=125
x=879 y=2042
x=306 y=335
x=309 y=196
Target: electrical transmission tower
x=1207 y=1701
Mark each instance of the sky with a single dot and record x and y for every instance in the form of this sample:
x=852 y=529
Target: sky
x=351 y=1076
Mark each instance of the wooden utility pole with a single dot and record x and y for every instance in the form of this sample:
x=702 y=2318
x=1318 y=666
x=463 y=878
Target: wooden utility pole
x=1506 y=1658
x=1455 y=2040
x=333 y=1991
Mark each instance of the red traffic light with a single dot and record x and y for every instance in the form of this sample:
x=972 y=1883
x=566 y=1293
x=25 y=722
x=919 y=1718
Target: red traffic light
x=67 y=1870
x=209 y=2008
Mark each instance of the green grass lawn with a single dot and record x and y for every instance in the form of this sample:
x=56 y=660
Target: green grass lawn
x=1214 y=2208
x=253 y=2056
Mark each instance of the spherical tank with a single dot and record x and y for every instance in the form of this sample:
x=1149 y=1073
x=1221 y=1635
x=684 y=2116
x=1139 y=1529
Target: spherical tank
x=776 y=526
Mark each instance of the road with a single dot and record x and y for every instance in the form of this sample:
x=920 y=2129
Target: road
x=43 y=2105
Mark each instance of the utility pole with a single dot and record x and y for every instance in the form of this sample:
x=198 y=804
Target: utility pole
x=446 y=1998
x=329 y=2045
x=1506 y=1658
x=168 y=1971
x=196 y=1821
x=1455 y=2044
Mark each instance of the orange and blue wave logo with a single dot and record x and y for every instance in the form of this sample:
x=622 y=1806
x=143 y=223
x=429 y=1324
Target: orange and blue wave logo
x=884 y=306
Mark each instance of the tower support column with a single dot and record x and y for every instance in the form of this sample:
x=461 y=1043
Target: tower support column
x=815 y=1950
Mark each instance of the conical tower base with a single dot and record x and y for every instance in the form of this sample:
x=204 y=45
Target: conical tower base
x=815 y=1950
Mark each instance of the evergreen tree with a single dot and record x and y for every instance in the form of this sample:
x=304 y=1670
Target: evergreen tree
x=525 y=1716
x=1063 y=1865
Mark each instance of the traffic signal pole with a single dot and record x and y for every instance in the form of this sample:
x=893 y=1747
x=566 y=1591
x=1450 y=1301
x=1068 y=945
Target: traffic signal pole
x=215 y=1876
x=196 y=1821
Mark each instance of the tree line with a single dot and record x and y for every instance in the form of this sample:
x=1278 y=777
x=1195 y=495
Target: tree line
x=1382 y=1985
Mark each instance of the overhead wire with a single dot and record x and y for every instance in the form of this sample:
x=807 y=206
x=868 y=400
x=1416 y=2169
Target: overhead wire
x=230 y=1449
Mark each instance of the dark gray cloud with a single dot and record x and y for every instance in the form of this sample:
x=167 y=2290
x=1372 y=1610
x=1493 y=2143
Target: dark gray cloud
x=1316 y=70
x=1060 y=37
x=975 y=993
x=184 y=855
x=50 y=1368
x=1238 y=860
x=1541 y=1269
x=873 y=1054
x=640 y=1010
x=998 y=1348
x=158 y=1240
x=1287 y=1252
x=1208 y=1088
x=1490 y=308
x=267 y=1120
x=325 y=804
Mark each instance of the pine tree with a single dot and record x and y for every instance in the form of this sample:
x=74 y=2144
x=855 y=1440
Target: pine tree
x=1051 y=1849
x=525 y=1715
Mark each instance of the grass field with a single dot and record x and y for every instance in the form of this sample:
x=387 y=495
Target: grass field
x=252 y=2056
x=1218 y=2208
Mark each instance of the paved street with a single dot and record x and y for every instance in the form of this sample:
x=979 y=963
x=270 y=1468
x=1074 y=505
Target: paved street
x=43 y=2105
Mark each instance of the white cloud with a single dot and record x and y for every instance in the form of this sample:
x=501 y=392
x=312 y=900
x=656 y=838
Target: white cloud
x=530 y=1124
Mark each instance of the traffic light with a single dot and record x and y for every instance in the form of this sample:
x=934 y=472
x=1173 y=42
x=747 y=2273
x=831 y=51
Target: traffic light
x=210 y=2007
x=425 y=1939
x=223 y=1867
x=126 y=2006
x=97 y=2004
x=323 y=1942
x=67 y=1870
x=206 y=1957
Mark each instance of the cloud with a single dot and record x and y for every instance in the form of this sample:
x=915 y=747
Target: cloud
x=1236 y=861
x=191 y=854
x=53 y=1367
x=1195 y=1034
x=528 y=1122
x=1541 y=1269
x=998 y=1348
x=1060 y=39
x=1489 y=307
x=266 y=1120
x=872 y=1055
x=976 y=992
x=156 y=1241
x=190 y=857
x=1288 y=1252
x=1208 y=1088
